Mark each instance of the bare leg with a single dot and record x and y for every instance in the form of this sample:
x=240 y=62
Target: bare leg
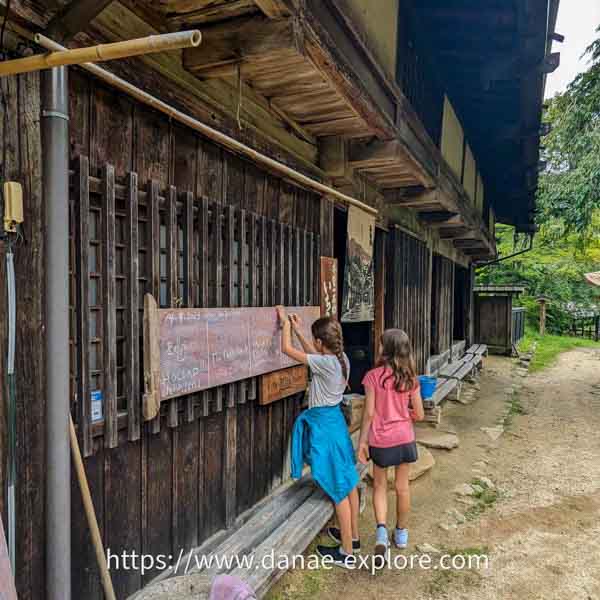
x=355 y=508
x=380 y=494
x=402 y=496
x=343 y=511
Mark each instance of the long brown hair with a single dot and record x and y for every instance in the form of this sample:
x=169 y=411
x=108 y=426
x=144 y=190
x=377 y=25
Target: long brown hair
x=397 y=355
x=329 y=331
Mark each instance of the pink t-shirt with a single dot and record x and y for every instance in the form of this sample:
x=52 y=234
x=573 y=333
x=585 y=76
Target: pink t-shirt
x=392 y=424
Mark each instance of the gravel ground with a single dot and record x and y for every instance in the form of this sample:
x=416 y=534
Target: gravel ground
x=539 y=526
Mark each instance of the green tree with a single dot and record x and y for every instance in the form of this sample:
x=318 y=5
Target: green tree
x=569 y=189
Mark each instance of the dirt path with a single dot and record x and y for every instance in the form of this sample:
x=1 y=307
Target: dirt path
x=540 y=527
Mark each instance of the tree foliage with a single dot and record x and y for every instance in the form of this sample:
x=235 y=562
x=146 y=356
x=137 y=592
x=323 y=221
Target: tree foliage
x=569 y=188
x=554 y=268
x=568 y=243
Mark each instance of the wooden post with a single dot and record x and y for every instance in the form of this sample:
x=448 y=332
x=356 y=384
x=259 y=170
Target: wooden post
x=542 y=302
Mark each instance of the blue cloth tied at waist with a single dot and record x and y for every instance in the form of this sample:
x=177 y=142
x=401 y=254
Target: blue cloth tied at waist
x=320 y=439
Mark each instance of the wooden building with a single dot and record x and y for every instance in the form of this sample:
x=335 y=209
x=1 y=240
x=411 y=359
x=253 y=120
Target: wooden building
x=428 y=112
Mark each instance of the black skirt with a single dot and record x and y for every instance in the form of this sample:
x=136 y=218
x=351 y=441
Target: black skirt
x=394 y=456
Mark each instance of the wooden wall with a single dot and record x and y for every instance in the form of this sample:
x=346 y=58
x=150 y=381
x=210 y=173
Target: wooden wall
x=21 y=161
x=213 y=455
x=442 y=304
x=173 y=482
x=493 y=323
x=408 y=291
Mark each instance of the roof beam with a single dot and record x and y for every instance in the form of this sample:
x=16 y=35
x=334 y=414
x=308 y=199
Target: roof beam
x=227 y=44
x=75 y=18
x=364 y=155
x=274 y=9
x=212 y=12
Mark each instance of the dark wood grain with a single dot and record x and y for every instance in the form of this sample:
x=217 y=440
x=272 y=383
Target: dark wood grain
x=82 y=306
x=189 y=283
x=109 y=342
x=133 y=313
x=172 y=252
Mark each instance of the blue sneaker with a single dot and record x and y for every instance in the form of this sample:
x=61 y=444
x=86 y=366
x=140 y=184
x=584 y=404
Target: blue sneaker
x=400 y=538
x=382 y=542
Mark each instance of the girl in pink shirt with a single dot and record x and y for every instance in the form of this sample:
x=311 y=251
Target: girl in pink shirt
x=387 y=437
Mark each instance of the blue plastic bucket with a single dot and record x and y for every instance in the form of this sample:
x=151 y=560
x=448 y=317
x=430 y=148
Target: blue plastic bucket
x=428 y=385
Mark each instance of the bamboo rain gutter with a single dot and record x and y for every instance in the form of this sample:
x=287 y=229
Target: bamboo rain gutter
x=213 y=134
x=101 y=52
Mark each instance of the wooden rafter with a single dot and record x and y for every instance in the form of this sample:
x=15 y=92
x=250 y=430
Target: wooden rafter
x=212 y=12
x=227 y=44
x=274 y=9
x=75 y=18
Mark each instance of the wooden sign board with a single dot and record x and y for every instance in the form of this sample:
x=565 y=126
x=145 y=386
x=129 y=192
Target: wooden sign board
x=191 y=349
x=281 y=384
x=329 y=286
x=7 y=581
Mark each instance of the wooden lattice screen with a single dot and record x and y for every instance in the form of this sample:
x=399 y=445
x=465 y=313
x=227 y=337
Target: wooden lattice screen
x=408 y=291
x=128 y=239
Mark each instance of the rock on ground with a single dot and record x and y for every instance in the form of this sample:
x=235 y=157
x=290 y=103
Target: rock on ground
x=464 y=489
x=436 y=439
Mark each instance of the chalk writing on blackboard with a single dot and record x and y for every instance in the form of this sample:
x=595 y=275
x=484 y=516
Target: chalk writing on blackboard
x=207 y=347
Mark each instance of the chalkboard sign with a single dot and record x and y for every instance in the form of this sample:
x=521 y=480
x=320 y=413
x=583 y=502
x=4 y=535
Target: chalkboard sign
x=191 y=349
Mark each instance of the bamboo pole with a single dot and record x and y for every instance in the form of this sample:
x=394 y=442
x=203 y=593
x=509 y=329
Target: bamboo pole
x=213 y=134
x=90 y=513
x=101 y=52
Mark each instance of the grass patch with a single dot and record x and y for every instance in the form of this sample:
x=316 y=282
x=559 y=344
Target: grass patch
x=483 y=500
x=300 y=584
x=514 y=408
x=442 y=578
x=472 y=551
x=550 y=347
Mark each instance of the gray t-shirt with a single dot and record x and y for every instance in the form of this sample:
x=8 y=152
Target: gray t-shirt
x=327 y=385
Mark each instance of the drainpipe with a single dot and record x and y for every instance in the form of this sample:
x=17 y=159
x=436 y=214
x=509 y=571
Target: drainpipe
x=55 y=161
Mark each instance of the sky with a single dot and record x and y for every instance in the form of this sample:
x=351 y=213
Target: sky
x=577 y=21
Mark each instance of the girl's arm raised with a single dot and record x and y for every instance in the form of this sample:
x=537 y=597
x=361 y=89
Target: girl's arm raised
x=286 y=338
x=367 y=419
x=416 y=412
x=307 y=345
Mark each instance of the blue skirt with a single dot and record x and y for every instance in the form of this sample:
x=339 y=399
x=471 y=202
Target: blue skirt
x=321 y=440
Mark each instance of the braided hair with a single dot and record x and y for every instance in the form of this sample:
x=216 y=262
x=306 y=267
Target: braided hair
x=329 y=331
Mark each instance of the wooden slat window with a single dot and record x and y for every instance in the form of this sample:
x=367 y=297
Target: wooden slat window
x=129 y=238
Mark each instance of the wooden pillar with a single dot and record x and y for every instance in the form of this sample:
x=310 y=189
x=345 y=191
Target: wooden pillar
x=542 y=302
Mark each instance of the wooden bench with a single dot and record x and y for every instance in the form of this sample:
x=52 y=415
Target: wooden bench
x=451 y=376
x=284 y=523
x=476 y=353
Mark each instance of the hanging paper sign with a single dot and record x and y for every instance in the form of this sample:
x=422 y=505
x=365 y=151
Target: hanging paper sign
x=329 y=286
x=358 y=302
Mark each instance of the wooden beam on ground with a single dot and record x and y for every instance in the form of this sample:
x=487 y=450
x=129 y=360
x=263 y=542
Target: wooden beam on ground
x=228 y=44
x=75 y=18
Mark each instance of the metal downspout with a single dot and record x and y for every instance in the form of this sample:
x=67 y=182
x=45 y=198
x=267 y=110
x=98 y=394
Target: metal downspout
x=55 y=161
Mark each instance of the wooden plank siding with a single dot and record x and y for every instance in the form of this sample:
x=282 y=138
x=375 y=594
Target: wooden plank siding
x=408 y=291
x=442 y=308
x=195 y=226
